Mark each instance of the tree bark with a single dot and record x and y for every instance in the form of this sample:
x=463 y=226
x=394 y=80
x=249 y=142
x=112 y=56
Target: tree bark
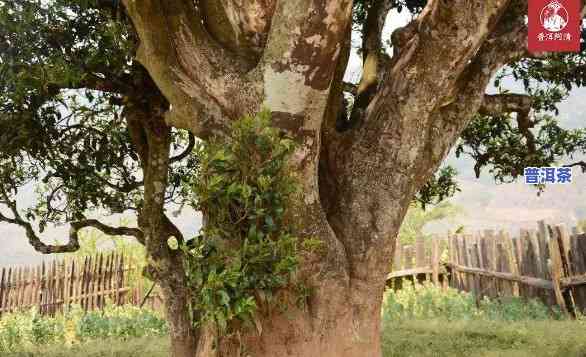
x=295 y=333
x=151 y=137
x=357 y=184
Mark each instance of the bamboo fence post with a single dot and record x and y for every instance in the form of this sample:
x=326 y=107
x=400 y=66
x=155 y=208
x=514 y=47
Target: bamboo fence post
x=443 y=245
x=543 y=238
x=451 y=277
x=513 y=267
x=419 y=254
x=486 y=264
x=15 y=289
x=99 y=290
x=62 y=284
x=120 y=296
x=435 y=260
x=566 y=248
x=109 y=276
x=71 y=294
x=23 y=292
x=84 y=283
x=7 y=291
x=42 y=287
x=21 y=300
x=567 y=270
x=54 y=287
x=456 y=259
x=579 y=268
x=471 y=262
x=469 y=281
x=37 y=291
x=479 y=264
x=556 y=272
x=2 y=289
x=94 y=281
x=492 y=261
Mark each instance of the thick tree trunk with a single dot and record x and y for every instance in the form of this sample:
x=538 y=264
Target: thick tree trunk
x=298 y=332
x=184 y=338
x=151 y=139
x=166 y=264
x=402 y=127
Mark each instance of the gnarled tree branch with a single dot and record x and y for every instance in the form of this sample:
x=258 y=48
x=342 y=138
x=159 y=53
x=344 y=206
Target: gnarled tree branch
x=182 y=51
x=73 y=244
x=580 y=164
x=186 y=152
x=109 y=230
x=375 y=60
x=499 y=104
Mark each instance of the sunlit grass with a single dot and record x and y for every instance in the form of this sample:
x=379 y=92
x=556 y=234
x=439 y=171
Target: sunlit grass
x=423 y=321
x=440 y=337
x=115 y=347
x=428 y=321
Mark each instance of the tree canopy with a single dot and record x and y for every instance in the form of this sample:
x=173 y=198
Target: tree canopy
x=68 y=80
x=68 y=71
x=101 y=102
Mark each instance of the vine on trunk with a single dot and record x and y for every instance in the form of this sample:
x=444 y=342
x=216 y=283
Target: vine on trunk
x=246 y=250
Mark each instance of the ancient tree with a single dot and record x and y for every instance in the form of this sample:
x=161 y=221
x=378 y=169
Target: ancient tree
x=202 y=65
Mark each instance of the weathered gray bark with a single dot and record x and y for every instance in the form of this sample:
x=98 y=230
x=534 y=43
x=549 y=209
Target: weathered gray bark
x=151 y=138
x=289 y=56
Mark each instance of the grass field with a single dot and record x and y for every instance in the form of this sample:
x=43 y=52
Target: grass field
x=485 y=338
x=424 y=338
x=139 y=347
x=417 y=321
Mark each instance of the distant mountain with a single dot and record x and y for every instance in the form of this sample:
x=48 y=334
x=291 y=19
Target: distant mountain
x=516 y=205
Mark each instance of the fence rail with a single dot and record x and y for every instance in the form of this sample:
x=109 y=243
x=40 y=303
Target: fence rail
x=91 y=282
x=547 y=263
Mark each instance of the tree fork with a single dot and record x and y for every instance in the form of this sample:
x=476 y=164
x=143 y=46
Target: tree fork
x=369 y=174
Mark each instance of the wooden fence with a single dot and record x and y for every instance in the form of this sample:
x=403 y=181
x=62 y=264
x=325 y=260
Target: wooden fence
x=419 y=262
x=91 y=282
x=548 y=263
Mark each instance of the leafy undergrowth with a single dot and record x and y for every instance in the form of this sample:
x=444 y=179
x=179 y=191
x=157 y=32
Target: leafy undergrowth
x=423 y=338
x=427 y=301
x=427 y=321
x=423 y=321
x=29 y=331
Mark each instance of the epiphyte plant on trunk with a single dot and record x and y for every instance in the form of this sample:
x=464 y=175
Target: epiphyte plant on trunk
x=246 y=252
x=160 y=66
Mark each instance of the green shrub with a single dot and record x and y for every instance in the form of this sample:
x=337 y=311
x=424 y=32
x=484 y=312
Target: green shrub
x=427 y=301
x=46 y=330
x=21 y=331
x=425 y=320
x=246 y=249
x=128 y=321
